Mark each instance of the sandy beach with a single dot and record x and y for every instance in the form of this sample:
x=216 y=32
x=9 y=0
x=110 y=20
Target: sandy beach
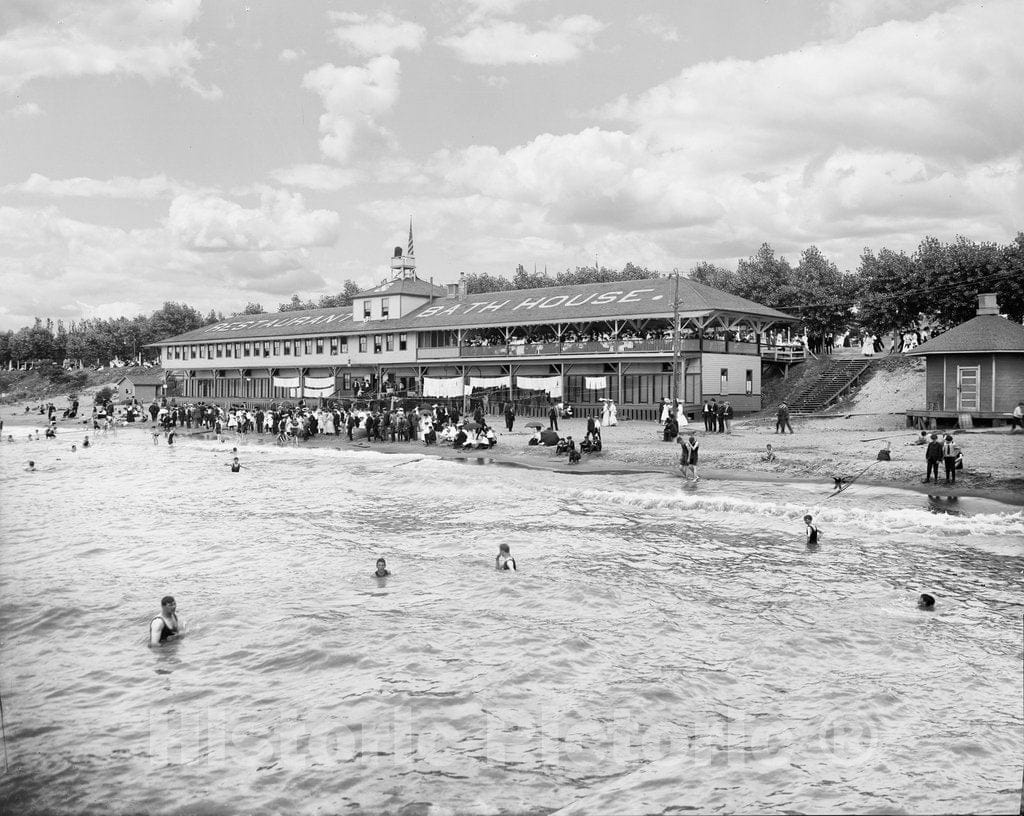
x=819 y=450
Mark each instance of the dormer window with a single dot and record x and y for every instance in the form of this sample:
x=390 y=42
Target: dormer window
x=366 y=310
x=384 y=307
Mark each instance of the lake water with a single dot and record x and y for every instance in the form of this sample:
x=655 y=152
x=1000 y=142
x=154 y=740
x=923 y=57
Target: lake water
x=663 y=647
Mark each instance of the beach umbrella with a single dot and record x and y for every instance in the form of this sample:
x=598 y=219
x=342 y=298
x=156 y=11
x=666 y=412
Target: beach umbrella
x=534 y=425
x=549 y=437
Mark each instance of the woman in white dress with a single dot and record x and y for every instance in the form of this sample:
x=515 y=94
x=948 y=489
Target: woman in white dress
x=867 y=346
x=666 y=410
x=328 y=422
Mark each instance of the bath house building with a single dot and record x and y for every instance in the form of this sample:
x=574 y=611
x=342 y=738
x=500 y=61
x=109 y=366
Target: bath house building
x=409 y=337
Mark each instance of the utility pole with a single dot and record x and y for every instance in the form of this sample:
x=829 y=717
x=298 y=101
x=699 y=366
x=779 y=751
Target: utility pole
x=674 y=389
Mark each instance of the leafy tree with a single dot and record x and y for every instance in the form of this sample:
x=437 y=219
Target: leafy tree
x=717 y=276
x=526 y=280
x=104 y=395
x=954 y=274
x=823 y=296
x=479 y=283
x=1010 y=285
x=890 y=296
x=766 y=279
x=175 y=318
x=252 y=309
x=296 y=304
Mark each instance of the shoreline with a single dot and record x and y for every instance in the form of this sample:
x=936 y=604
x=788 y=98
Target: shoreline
x=636 y=447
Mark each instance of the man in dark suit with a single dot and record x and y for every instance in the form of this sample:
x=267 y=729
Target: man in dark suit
x=553 y=419
x=932 y=456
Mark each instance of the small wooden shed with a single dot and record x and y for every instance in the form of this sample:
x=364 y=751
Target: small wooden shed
x=145 y=386
x=975 y=369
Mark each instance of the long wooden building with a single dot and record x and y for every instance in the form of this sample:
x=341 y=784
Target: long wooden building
x=580 y=344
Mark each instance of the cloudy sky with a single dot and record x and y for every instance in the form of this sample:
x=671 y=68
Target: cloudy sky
x=224 y=152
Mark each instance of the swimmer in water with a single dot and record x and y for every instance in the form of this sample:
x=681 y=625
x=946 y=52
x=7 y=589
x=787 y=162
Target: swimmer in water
x=165 y=627
x=235 y=466
x=812 y=532
x=85 y=442
x=382 y=570
x=31 y=465
x=926 y=601
x=504 y=559
x=74 y=448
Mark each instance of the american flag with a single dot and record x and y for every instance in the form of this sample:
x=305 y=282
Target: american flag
x=411 y=253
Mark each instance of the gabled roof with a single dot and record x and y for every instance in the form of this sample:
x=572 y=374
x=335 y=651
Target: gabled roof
x=614 y=300
x=591 y=301
x=151 y=376
x=984 y=333
x=404 y=286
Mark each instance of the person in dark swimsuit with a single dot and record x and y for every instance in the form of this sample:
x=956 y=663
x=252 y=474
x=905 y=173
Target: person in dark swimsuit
x=504 y=559
x=812 y=532
x=235 y=466
x=382 y=570
x=165 y=627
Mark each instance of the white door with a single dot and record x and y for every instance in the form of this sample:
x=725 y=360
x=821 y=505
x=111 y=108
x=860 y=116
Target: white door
x=967 y=385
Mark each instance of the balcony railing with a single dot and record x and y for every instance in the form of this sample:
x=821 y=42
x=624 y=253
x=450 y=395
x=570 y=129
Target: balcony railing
x=571 y=347
x=439 y=353
x=783 y=354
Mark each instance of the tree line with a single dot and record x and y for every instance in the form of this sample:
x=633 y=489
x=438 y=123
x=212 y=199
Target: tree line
x=936 y=285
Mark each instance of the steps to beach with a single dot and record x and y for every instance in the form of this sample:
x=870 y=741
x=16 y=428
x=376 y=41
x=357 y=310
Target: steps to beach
x=832 y=384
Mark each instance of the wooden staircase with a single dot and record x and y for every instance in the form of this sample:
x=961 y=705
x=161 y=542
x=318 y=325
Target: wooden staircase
x=834 y=382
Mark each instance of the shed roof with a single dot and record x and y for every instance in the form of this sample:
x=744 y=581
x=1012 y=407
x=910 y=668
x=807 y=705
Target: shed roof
x=984 y=333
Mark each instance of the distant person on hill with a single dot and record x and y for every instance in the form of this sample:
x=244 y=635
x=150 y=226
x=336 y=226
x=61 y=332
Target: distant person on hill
x=782 y=419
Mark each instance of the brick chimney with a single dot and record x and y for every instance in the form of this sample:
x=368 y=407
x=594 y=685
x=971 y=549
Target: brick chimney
x=987 y=304
x=462 y=286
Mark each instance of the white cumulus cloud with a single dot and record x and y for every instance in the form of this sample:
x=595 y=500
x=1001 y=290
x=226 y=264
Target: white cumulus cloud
x=26 y=110
x=212 y=223
x=381 y=34
x=354 y=98
x=61 y=38
x=559 y=41
x=151 y=187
